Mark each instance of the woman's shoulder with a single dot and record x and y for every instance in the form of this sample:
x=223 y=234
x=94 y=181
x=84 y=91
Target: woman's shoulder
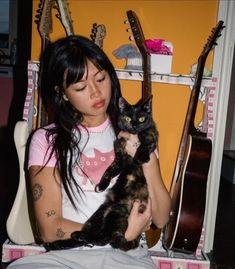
x=40 y=133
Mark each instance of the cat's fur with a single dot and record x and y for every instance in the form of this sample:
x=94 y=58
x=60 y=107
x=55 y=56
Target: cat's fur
x=109 y=223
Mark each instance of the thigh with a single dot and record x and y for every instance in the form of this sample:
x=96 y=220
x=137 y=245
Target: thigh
x=87 y=259
x=133 y=259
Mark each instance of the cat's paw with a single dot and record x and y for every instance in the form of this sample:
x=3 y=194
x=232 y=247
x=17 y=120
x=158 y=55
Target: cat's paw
x=100 y=188
x=97 y=188
x=142 y=208
x=76 y=236
x=61 y=244
x=141 y=159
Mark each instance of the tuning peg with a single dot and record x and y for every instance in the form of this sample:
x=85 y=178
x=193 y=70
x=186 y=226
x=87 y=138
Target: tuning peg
x=131 y=38
x=58 y=16
x=126 y=21
x=128 y=29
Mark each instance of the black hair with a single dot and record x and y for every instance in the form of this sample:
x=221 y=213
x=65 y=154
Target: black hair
x=63 y=63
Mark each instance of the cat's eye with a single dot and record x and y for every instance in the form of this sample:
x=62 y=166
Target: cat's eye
x=141 y=119
x=128 y=119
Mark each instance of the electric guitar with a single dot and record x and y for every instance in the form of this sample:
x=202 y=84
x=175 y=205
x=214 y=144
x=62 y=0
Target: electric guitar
x=189 y=184
x=64 y=15
x=98 y=34
x=44 y=25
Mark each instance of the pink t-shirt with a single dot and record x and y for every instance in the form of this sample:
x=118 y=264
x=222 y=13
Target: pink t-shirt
x=97 y=155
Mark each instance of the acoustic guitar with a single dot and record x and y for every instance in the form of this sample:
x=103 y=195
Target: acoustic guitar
x=152 y=235
x=189 y=184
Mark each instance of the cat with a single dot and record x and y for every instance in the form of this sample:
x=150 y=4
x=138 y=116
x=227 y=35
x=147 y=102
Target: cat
x=109 y=223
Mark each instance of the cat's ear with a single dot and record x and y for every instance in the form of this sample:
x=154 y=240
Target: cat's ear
x=148 y=104
x=122 y=103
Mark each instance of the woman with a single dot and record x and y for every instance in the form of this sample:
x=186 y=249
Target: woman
x=68 y=158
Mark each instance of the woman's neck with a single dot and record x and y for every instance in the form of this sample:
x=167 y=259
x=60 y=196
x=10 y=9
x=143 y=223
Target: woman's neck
x=94 y=121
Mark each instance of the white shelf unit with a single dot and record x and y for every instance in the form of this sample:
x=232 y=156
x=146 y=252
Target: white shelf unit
x=189 y=80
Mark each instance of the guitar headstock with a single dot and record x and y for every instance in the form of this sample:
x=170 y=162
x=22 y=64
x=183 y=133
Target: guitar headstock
x=137 y=32
x=211 y=42
x=98 y=34
x=44 y=19
x=64 y=15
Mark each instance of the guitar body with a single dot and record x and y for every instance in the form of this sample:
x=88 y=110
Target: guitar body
x=189 y=198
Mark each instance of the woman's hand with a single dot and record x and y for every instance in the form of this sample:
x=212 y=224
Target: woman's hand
x=132 y=142
x=138 y=222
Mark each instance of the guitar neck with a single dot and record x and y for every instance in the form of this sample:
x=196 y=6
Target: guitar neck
x=146 y=84
x=189 y=127
x=140 y=42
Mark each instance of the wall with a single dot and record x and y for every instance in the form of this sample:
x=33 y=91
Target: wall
x=187 y=24
x=229 y=141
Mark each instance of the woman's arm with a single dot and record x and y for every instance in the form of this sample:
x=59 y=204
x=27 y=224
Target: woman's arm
x=47 y=201
x=160 y=198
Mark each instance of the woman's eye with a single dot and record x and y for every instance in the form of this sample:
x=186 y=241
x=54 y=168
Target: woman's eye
x=80 y=89
x=101 y=79
x=128 y=119
x=141 y=119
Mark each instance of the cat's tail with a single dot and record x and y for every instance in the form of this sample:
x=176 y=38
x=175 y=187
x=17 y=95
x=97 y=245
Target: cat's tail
x=65 y=244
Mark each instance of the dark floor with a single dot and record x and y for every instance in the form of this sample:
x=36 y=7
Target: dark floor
x=224 y=241
x=223 y=253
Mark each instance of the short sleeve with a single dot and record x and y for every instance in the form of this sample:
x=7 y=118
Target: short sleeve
x=40 y=149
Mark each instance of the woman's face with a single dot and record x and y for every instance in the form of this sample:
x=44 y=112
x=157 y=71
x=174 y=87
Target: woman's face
x=91 y=95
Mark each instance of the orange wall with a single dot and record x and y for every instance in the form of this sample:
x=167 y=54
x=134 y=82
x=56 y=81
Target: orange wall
x=187 y=24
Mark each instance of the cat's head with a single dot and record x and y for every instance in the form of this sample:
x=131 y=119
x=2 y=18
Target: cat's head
x=135 y=118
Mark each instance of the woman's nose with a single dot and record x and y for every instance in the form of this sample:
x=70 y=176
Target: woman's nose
x=95 y=91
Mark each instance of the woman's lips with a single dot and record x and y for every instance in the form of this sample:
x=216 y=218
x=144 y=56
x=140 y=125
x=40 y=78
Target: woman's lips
x=99 y=104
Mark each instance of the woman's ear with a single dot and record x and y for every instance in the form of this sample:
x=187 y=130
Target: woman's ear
x=58 y=92
x=65 y=97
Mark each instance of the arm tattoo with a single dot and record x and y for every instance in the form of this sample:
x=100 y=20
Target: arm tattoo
x=60 y=233
x=37 y=191
x=50 y=213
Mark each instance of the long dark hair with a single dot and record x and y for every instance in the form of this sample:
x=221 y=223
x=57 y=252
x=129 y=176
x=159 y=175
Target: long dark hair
x=63 y=63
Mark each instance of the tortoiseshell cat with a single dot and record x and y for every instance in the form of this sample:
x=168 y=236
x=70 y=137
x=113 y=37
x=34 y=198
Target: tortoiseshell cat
x=109 y=223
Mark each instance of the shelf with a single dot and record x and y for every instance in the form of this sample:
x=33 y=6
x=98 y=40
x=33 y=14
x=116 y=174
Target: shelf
x=165 y=78
x=125 y=74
